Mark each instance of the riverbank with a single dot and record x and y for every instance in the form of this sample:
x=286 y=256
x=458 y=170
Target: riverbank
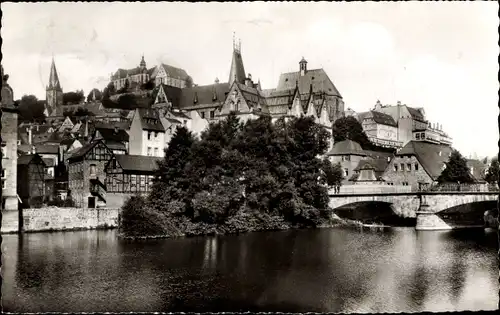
x=244 y=223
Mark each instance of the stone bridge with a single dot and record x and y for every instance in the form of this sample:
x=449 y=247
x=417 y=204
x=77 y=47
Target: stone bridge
x=432 y=210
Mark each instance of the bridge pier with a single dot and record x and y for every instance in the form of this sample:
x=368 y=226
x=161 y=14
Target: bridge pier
x=428 y=221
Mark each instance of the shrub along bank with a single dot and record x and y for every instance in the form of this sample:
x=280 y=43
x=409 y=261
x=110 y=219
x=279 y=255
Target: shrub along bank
x=238 y=177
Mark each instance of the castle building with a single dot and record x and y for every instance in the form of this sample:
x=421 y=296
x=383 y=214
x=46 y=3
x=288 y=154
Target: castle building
x=380 y=128
x=9 y=112
x=54 y=92
x=161 y=74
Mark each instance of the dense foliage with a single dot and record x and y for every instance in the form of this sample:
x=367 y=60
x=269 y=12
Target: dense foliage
x=79 y=112
x=349 y=128
x=456 y=170
x=239 y=174
x=98 y=95
x=493 y=171
x=73 y=98
x=31 y=109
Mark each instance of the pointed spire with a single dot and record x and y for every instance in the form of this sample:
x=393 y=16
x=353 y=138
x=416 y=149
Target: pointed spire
x=143 y=62
x=237 y=71
x=54 y=78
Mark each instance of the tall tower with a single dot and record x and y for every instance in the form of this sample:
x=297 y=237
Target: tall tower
x=237 y=72
x=142 y=65
x=54 y=91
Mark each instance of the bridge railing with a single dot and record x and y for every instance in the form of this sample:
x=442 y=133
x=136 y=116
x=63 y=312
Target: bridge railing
x=371 y=189
x=454 y=187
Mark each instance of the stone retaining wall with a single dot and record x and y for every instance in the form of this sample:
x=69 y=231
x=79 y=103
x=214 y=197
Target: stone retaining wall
x=60 y=219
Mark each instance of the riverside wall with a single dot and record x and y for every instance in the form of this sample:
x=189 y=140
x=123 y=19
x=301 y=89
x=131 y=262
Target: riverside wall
x=63 y=219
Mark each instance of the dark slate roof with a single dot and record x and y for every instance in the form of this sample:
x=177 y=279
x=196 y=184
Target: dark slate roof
x=138 y=163
x=415 y=114
x=146 y=116
x=347 y=147
x=204 y=95
x=115 y=145
x=28 y=158
x=378 y=117
x=478 y=169
x=179 y=115
x=428 y=155
x=175 y=72
x=237 y=71
x=111 y=135
x=378 y=165
x=317 y=77
x=125 y=125
x=40 y=148
x=252 y=96
x=80 y=152
x=378 y=154
x=173 y=94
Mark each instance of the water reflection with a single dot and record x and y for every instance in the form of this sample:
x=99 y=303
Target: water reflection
x=328 y=270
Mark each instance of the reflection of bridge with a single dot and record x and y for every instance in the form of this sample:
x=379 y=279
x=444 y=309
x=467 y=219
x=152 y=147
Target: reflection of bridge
x=432 y=209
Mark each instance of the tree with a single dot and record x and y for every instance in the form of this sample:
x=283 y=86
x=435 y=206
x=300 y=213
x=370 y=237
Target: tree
x=493 y=171
x=31 y=109
x=72 y=98
x=98 y=95
x=149 y=85
x=189 y=82
x=349 y=128
x=332 y=172
x=456 y=170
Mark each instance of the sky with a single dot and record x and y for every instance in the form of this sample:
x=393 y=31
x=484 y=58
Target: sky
x=441 y=56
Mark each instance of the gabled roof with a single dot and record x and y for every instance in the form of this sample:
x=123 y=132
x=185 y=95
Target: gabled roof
x=415 y=114
x=175 y=72
x=84 y=149
x=49 y=162
x=252 y=97
x=138 y=163
x=347 y=147
x=378 y=117
x=173 y=94
x=179 y=115
x=431 y=156
x=477 y=169
x=28 y=158
x=204 y=96
x=378 y=165
x=150 y=120
x=119 y=135
x=125 y=125
x=317 y=77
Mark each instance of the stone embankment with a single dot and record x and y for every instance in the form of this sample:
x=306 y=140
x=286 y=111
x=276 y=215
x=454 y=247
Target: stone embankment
x=64 y=219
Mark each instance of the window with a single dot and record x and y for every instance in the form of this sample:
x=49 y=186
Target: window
x=408 y=167
x=346 y=172
x=395 y=167
x=149 y=135
x=132 y=180
x=202 y=115
x=4 y=152
x=212 y=114
x=346 y=157
x=417 y=136
x=156 y=134
x=422 y=135
x=402 y=167
x=149 y=151
x=3 y=173
x=150 y=180
x=416 y=166
x=156 y=152
x=143 y=180
x=3 y=184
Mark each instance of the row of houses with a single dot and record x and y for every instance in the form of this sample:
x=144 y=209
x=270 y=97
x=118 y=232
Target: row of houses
x=418 y=164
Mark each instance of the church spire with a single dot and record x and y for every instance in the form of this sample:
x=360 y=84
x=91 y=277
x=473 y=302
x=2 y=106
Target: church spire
x=237 y=72
x=54 y=78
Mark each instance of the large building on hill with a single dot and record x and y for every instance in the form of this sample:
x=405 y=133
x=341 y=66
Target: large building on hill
x=160 y=74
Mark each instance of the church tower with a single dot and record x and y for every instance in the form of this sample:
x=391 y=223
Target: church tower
x=237 y=72
x=54 y=91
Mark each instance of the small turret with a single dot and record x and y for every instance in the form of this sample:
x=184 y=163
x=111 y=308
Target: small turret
x=143 y=63
x=303 y=67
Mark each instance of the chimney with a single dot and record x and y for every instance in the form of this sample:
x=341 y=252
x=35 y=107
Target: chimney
x=216 y=80
x=399 y=103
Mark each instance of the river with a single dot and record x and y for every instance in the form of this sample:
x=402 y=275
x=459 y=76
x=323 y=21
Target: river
x=322 y=270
